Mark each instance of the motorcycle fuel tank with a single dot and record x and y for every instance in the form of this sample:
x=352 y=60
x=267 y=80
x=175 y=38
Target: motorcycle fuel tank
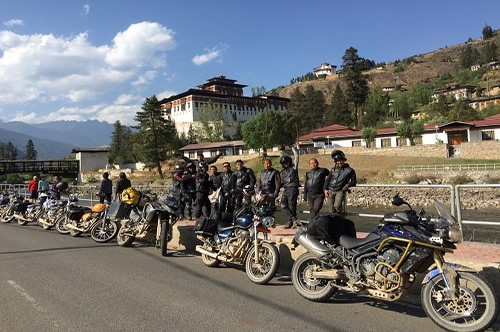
x=245 y=220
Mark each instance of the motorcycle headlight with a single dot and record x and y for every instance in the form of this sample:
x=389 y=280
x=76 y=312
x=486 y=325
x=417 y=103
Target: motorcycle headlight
x=454 y=234
x=267 y=222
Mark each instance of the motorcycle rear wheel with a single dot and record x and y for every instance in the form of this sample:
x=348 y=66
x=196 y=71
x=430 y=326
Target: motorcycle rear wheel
x=475 y=309
x=103 y=232
x=8 y=217
x=269 y=260
x=164 y=238
x=124 y=240
x=61 y=225
x=209 y=261
x=315 y=290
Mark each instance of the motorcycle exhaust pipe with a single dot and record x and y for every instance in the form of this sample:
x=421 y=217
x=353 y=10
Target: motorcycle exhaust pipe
x=312 y=245
x=206 y=252
x=20 y=217
x=70 y=226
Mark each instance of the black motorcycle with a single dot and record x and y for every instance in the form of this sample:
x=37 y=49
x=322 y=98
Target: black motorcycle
x=16 y=204
x=384 y=265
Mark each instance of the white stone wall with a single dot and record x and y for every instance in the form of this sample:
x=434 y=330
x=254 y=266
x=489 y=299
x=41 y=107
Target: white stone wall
x=92 y=161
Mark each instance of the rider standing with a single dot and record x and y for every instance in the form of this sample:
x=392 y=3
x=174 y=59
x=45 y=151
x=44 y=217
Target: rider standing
x=106 y=188
x=244 y=177
x=269 y=182
x=340 y=179
x=190 y=188
x=226 y=201
x=313 y=187
x=122 y=184
x=202 y=190
x=290 y=183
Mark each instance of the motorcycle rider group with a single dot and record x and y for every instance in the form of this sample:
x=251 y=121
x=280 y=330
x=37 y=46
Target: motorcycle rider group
x=232 y=190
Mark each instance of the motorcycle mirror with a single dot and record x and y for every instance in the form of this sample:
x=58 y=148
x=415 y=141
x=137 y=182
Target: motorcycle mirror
x=397 y=201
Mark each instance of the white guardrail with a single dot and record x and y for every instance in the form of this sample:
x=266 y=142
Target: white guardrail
x=450 y=167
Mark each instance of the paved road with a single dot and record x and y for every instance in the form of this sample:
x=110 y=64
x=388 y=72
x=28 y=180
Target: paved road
x=53 y=282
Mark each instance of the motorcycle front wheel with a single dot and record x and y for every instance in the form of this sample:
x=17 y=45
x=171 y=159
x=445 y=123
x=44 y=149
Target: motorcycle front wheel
x=123 y=239
x=313 y=289
x=103 y=232
x=61 y=225
x=263 y=271
x=164 y=238
x=475 y=308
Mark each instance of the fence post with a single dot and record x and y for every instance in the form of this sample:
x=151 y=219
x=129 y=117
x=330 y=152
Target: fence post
x=459 y=209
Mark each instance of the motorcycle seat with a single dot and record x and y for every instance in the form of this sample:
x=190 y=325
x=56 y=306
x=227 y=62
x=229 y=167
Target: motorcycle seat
x=350 y=242
x=224 y=226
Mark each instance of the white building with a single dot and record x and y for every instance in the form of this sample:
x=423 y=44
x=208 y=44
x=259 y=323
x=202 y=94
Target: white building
x=325 y=69
x=184 y=108
x=456 y=91
x=91 y=159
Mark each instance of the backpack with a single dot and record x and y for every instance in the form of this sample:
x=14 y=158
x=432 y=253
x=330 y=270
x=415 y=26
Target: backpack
x=330 y=227
x=131 y=196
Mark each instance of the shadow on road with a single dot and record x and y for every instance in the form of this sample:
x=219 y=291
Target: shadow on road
x=56 y=249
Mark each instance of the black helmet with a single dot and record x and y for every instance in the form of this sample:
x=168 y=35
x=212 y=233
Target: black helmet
x=286 y=159
x=179 y=167
x=62 y=186
x=191 y=165
x=338 y=155
x=248 y=190
x=202 y=163
x=122 y=175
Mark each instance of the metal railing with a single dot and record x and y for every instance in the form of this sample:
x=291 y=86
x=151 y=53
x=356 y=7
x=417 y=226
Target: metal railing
x=451 y=167
x=459 y=205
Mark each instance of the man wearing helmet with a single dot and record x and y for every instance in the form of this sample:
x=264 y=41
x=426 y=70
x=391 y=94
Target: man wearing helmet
x=244 y=177
x=340 y=179
x=290 y=183
x=199 y=158
x=202 y=190
x=122 y=184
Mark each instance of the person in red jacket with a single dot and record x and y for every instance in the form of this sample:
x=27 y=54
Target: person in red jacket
x=33 y=188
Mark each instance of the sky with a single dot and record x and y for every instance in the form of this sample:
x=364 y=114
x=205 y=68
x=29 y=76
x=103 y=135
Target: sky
x=80 y=60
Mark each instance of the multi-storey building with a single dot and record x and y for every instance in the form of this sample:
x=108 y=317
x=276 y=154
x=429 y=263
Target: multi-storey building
x=184 y=108
x=325 y=69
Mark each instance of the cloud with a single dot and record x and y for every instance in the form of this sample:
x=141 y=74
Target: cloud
x=86 y=9
x=210 y=55
x=13 y=22
x=125 y=99
x=46 y=68
x=165 y=94
x=145 y=78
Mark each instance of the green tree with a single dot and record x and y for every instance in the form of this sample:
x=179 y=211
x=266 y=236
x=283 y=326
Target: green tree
x=156 y=134
x=30 y=153
x=212 y=123
x=487 y=32
x=369 y=134
x=419 y=95
x=10 y=151
x=401 y=108
x=121 y=141
x=356 y=83
x=466 y=58
x=410 y=129
x=338 y=111
x=438 y=109
x=268 y=129
x=191 y=135
x=260 y=90
x=489 y=52
x=308 y=108
x=2 y=151
x=462 y=111
x=375 y=108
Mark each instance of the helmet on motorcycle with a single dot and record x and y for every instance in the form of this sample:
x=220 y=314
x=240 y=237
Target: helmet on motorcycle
x=286 y=159
x=338 y=155
x=248 y=190
x=122 y=175
x=179 y=167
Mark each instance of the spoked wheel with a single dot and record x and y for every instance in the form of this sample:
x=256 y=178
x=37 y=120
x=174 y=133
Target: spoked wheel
x=74 y=232
x=8 y=216
x=61 y=225
x=42 y=216
x=263 y=271
x=123 y=239
x=164 y=238
x=475 y=308
x=305 y=284
x=103 y=231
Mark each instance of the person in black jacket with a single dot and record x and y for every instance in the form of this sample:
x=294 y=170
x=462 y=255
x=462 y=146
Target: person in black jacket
x=122 y=184
x=189 y=185
x=200 y=157
x=215 y=179
x=226 y=201
x=290 y=183
x=202 y=190
x=313 y=187
x=340 y=179
x=269 y=182
x=106 y=188
x=244 y=177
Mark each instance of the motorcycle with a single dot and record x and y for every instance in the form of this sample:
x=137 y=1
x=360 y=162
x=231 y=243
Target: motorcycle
x=93 y=220
x=32 y=211
x=239 y=243
x=153 y=224
x=53 y=211
x=4 y=201
x=384 y=265
x=16 y=204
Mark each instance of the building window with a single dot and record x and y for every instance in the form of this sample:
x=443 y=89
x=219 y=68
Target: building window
x=213 y=153
x=385 y=142
x=488 y=135
x=191 y=155
x=401 y=141
x=356 y=143
x=196 y=104
x=418 y=140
